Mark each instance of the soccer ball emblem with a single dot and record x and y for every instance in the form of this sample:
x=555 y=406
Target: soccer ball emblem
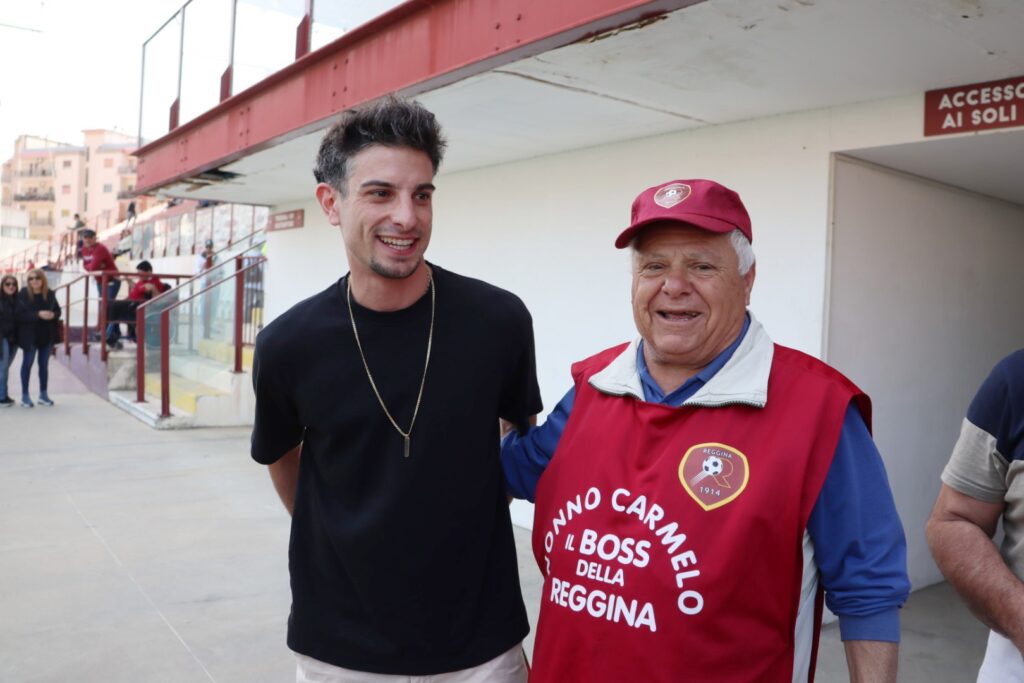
x=712 y=466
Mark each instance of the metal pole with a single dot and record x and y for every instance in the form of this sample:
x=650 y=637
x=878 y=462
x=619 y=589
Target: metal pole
x=140 y=355
x=231 y=47
x=142 y=92
x=85 y=318
x=104 y=302
x=67 y=322
x=165 y=364
x=181 y=52
x=239 y=293
x=191 y=323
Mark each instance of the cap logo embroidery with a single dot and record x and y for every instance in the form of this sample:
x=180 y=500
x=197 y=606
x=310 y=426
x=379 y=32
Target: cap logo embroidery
x=714 y=474
x=671 y=194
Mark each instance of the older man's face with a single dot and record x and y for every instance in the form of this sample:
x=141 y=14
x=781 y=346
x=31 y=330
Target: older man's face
x=689 y=298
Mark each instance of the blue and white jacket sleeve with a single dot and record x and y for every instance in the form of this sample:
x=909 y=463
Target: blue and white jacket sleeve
x=859 y=545
x=525 y=456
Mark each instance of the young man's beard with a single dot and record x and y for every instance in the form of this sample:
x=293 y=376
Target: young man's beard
x=391 y=274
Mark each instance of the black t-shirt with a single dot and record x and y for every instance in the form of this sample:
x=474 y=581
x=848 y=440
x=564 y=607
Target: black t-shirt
x=399 y=565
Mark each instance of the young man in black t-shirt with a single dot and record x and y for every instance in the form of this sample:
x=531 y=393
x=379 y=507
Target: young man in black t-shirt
x=377 y=406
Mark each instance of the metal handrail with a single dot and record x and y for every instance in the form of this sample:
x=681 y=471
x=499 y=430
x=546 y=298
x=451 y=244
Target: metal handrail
x=66 y=286
x=206 y=273
x=104 y=278
x=105 y=300
x=165 y=340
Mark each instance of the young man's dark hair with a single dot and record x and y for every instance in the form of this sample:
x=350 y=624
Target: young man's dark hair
x=392 y=122
x=144 y=266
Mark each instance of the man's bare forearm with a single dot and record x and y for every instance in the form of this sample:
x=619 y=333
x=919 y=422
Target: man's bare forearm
x=971 y=562
x=285 y=475
x=872 y=661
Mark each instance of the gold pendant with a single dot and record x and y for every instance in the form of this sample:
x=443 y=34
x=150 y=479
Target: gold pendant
x=407 y=446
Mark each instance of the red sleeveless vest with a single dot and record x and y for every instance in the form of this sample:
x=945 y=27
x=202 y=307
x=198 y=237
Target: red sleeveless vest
x=670 y=539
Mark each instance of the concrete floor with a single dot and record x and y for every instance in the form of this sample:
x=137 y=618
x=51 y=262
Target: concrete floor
x=128 y=554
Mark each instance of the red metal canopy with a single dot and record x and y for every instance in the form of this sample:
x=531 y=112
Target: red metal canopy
x=419 y=46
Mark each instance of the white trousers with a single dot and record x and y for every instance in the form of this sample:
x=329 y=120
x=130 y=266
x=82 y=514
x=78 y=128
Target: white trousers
x=1002 y=663
x=509 y=667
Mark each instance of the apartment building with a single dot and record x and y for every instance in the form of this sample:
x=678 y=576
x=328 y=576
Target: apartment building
x=52 y=181
x=28 y=182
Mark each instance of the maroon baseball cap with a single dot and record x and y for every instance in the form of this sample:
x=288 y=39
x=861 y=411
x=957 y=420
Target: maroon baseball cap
x=701 y=203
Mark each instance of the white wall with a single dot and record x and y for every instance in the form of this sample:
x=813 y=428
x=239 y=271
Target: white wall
x=925 y=298
x=301 y=261
x=544 y=227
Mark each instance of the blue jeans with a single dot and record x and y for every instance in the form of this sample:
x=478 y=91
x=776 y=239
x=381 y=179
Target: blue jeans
x=6 y=356
x=113 y=331
x=27 y=357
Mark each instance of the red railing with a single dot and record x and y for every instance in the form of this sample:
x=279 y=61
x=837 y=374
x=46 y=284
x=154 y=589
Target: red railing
x=243 y=266
x=104 y=278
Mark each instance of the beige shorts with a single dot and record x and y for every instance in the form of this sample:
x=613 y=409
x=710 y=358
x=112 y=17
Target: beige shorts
x=509 y=667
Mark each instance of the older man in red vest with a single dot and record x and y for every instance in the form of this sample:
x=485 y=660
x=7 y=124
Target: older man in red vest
x=703 y=487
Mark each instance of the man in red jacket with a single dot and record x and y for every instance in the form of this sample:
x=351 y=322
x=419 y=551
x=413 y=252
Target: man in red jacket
x=145 y=288
x=96 y=258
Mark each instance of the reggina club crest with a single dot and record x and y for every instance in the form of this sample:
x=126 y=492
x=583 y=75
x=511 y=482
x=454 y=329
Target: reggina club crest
x=714 y=474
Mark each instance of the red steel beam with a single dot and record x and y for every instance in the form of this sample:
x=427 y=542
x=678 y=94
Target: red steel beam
x=418 y=46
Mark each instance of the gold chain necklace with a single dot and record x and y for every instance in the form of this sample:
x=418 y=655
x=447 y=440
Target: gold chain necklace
x=373 y=385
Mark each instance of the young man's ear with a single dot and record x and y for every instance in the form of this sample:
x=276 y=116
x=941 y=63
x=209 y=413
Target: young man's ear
x=327 y=197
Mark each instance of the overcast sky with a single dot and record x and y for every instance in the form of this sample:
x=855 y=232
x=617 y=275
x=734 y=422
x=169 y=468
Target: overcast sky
x=72 y=64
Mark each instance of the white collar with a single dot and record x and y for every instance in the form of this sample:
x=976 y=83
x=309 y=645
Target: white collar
x=743 y=379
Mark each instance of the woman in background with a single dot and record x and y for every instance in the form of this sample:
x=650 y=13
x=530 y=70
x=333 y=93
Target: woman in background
x=8 y=330
x=37 y=313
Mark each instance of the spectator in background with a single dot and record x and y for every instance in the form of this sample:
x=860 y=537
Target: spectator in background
x=96 y=258
x=148 y=285
x=130 y=220
x=74 y=235
x=144 y=289
x=37 y=313
x=8 y=333
x=206 y=258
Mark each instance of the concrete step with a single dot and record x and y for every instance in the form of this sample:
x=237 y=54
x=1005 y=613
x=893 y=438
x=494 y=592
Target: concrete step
x=149 y=411
x=224 y=352
x=185 y=393
x=197 y=368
